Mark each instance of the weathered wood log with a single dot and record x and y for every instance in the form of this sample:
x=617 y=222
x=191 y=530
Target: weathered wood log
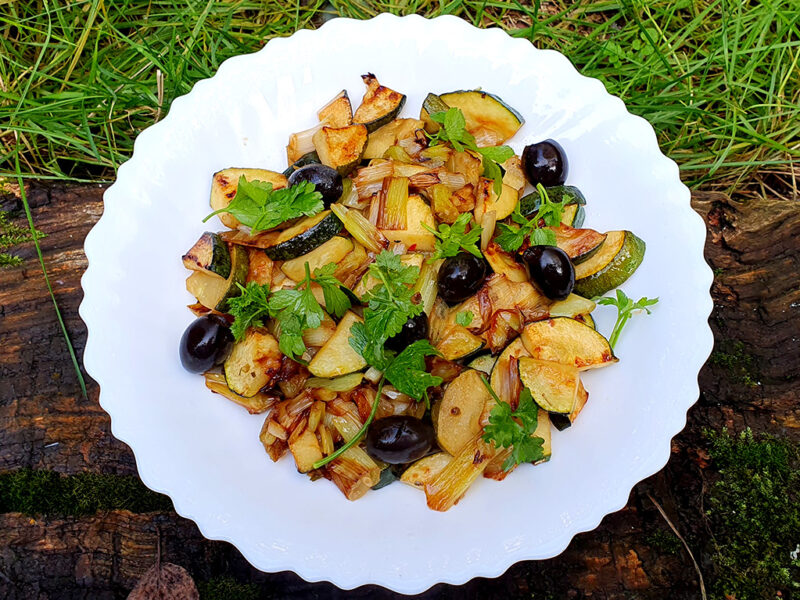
x=753 y=379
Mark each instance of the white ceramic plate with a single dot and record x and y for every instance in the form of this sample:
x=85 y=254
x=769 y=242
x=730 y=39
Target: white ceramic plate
x=204 y=451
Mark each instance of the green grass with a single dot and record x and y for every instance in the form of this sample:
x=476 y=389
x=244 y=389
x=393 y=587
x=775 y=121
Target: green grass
x=719 y=80
x=49 y=493
x=755 y=517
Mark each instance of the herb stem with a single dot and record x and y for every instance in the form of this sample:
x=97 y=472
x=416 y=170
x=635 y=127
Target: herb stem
x=490 y=390
x=355 y=439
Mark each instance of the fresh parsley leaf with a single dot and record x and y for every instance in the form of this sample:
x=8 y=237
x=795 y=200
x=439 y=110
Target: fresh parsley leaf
x=249 y=309
x=336 y=301
x=260 y=207
x=389 y=306
x=453 y=238
x=514 y=429
x=464 y=318
x=407 y=371
x=625 y=309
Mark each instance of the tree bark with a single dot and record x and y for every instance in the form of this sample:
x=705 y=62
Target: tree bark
x=751 y=380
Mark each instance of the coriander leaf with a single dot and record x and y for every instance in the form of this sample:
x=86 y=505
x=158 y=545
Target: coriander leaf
x=453 y=238
x=625 y=309
x=336 y=301
x=543 y=237
x=407 y=371
x=464 y=318
x=249 y=309
x=260 y=207
x=514 y=429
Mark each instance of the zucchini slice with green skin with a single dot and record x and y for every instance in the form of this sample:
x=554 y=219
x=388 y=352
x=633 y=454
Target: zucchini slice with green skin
x=225 y=183
x=345 y=383
x=379 y=105
x=561 y=422
x=484 y=110
x=432 y=105
x=554 y=386
x=567 y=341
x=529 y=204
x=312 y=158
x=341 y=148
x=338 y=112
x=253 y=363
x=488 y=200
x=578 y=218
x=579 y=244
x=304 y=236
x=337 y=356
x=211 y=290
x=209 y=254
x=483 y=363
x=572 y=306
x=615 y=261
x=332 y=251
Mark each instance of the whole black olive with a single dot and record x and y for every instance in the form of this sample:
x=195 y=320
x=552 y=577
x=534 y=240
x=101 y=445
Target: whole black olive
x=416 y=328
x=460 y=276
x=399 y=439
x=206 y=342
x=326 y=180
x=545 y=163
x=551 y=269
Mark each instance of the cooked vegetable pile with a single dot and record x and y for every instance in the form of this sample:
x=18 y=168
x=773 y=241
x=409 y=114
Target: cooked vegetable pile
x=409 y=299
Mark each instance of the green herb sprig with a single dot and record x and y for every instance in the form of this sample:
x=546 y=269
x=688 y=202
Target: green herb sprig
x=454 y=130
x=514 y=428
x=295 y=310
x=625 y=310
x=511 y=237
x=389 y=305
x=260 y=207
x=451 y=239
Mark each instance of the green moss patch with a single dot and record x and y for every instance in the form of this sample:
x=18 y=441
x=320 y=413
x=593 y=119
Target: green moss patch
x=755 y=517
x=49 y=493
x=732 y=356
x=227 y=588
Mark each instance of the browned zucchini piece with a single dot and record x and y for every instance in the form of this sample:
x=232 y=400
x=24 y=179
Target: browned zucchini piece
x=338 y=112
x=379 y=105
x=569 y=342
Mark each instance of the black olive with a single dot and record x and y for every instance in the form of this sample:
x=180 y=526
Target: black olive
x=551 y=269
x=206 y=342
x=416 y=328
x=460 y=276
x=327 y=181
x=545 y=163
x=399 y=439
